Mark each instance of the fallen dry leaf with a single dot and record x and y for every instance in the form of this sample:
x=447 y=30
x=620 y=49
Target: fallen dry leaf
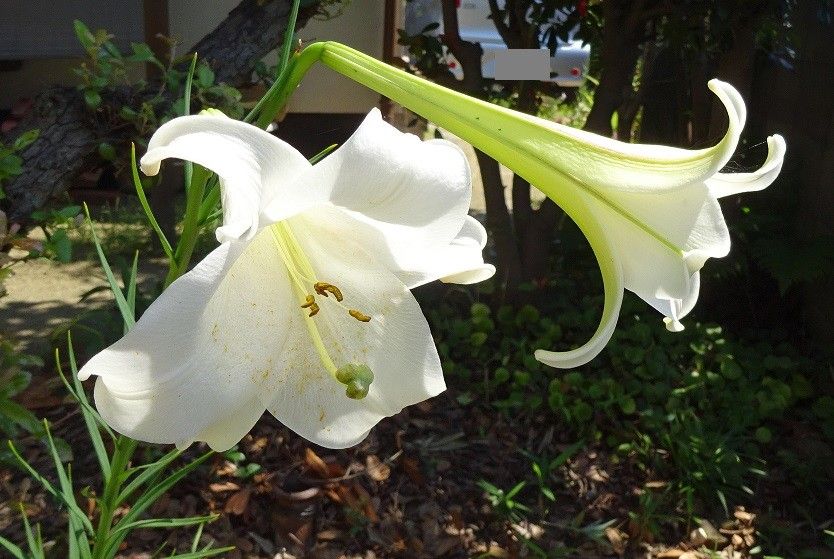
x=316 y=464
x=617 y=539
x=238 y=502
x=223 y=486
x=376 y=469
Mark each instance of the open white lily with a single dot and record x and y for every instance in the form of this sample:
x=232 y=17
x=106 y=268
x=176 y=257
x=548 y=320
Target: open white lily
x=304 y=309
x=649 y=212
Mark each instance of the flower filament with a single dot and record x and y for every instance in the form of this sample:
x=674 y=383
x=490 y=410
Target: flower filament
x=356 y=378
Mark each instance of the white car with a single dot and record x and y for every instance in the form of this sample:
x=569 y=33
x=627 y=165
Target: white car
x=568 y=64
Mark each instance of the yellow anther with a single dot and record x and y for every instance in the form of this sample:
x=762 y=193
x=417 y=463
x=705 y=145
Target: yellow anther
x=323 y=288
x=360 y=316
x=310 y=303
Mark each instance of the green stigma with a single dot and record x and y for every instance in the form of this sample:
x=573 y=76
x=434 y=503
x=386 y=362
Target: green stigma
x=213 y=112
x=356 y=378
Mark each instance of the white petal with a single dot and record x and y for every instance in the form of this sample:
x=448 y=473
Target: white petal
x=459 y=260
x=396 y=344
x=664 y=237
x=728 y=184
x=414 y=190
x=612 y=277
x=255 y=168
x=175 y=377
x=602 y=164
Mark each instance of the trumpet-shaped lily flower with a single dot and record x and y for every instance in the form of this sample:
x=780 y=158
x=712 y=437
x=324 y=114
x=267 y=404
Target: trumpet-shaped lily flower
x=649 y=212
x=304 y=309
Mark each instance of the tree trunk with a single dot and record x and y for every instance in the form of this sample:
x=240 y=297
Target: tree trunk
x=621 y=38
x=69 y=133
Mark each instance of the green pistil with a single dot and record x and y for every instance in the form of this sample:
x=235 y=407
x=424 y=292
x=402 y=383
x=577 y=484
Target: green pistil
x=356 y=378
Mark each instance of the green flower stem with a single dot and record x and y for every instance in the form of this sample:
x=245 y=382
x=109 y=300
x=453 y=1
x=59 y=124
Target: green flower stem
x=122 y=453
x=190 y=225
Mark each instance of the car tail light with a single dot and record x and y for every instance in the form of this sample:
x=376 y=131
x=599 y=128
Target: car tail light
x=457 y=3
x=575 y=72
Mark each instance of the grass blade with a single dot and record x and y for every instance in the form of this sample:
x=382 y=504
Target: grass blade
x=204 y=553
x=143 y=200
x=322 y=154
x=131 y=284
x=121 y=302
x=149 y=497
x=149 y=473
x=35 y=544
x=91 y=417
x=72 y=507
x=165 y=523
x=15 y=551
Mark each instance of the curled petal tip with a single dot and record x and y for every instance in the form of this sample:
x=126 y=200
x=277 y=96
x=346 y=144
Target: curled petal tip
x=149 y=168
x=673 y=325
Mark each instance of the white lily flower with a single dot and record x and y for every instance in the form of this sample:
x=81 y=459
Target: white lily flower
x=650 y=212
x=304 y=309
x=654 y=215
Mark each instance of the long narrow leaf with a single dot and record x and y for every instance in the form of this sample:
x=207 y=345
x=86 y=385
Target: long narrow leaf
x=79 y=388
x=124 y=308
x=64 y=481
x=72 y=507
x=322 y=154
x=149 y=497
x=197 y=535
x=165 y=523
x=186 y=110
x=204 y=553
x=143 y=200
x=150 y=471
x=35 y=544
x=131 y=283
x=289 y=33
x=16 y=552
x=91 y=417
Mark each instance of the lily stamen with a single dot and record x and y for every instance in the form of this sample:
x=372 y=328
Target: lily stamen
x=310 y=303
x=323 y=288
x=358 y=315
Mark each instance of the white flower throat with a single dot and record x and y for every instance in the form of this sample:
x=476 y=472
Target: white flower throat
x=356 y=378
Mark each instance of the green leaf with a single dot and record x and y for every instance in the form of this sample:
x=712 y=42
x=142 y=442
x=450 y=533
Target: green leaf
x=20 y=416
x=35 y=543
x=514 y=491
x=189 y=79
x=92 y=419
x=24 y=140
x=107 y=151
x=166 y=523
x=143 y=200
x=203 y=553
x=149 y=497
x=124 y=308
x=16 y=552
x=92 y=98
x=141 y=53
x=322 y=154
x=84 y=35
x=149 y=472
x=60 y=245
x=68 y=501
x=205 y=76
